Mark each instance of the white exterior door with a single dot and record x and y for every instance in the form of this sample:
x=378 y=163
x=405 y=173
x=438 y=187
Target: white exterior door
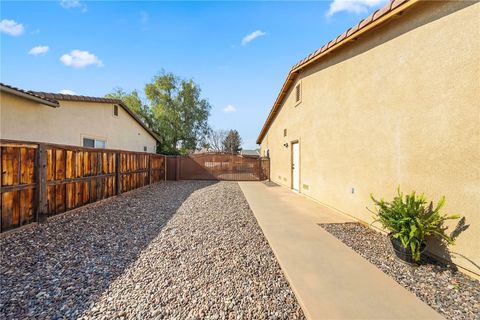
x=295 y=166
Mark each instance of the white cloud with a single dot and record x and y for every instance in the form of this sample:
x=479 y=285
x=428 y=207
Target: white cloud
x=352 y=6
x=11 y=27
x=66 y=91
x=80 y=59
x=38 y=50
x=252 y=36
x=229 y=109
x=69 y=4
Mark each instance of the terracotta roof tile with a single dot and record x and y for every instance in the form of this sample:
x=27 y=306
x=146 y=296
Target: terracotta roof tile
x=381 y=12
x=396 y=3
x=352 y=30
x=342 y=36
x=365 y=21
x=47 y=99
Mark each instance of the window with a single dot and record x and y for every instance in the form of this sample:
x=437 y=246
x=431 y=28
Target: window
x=298 y=94
x=115 y=110
x=94 y=143
x=284 y=132
x=145 y=149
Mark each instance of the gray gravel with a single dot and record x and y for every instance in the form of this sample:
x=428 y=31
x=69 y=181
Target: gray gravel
x=174 y=250
x=450 y=292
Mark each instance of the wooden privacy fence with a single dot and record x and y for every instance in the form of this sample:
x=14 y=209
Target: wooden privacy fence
x=40 y=180
x=220 y=166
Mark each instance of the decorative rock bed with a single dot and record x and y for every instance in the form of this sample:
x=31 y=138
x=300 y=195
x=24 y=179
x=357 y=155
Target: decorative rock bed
x=450 y=292
x=175 y=250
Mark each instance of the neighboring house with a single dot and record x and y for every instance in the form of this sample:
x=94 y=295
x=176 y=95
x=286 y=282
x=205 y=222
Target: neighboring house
x=395 y=100
x=72 y=120
x=250 y=153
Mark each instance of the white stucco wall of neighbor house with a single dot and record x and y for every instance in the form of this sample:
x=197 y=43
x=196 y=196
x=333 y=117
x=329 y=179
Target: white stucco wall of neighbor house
x=23 y=119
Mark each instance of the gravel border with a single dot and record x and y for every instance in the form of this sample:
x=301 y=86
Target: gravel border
x=173 y=250
x=450 y=292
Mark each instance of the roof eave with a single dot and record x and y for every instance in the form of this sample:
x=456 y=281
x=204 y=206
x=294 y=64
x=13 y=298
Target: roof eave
x=30 y=97
x=396 y=8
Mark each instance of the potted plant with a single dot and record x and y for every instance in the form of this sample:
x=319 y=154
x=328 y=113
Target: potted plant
x=410 y=220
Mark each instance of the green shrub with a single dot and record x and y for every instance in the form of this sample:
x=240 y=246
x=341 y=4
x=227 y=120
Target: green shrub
x=410 y=220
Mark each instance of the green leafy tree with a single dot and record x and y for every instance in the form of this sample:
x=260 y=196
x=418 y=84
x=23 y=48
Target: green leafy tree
x=175 y=111
x=232 y=142
x=179 y=114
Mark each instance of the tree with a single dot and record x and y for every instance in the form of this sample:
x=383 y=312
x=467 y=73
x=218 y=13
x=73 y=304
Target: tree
x=232 y=142
x=175 y=112
x=134 y=103
x=179 y=114
x=215 y=140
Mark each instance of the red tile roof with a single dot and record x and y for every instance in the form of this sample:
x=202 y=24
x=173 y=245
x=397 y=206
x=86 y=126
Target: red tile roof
x=29 y=95
x=392 y=8
x=51 y=99
x=70 y=97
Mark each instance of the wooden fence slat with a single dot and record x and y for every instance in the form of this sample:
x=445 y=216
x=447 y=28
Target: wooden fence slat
x=26 y=206
x=149 y=169
x=27 y=165
x=69 y=165
x=59 y=164
x=41 y=180
x=78 y=194
x=70 y=195
x=50 y=165
x=86 y=191
x=7 y=210
x=117 y=173
x=10 y=165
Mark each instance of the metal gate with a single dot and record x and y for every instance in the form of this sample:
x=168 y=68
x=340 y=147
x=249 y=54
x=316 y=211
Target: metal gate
x=220 y=166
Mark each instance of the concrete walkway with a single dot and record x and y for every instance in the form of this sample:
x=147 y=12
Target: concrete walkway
x=330 y=280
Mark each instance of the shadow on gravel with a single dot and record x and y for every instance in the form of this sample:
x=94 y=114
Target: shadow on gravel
x=59 y=268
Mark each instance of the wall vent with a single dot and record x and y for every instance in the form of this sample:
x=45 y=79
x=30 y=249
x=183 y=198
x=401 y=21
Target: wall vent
x=298 y=93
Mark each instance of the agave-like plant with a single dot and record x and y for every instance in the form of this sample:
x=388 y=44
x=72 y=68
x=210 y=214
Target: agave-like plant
x=410 y=220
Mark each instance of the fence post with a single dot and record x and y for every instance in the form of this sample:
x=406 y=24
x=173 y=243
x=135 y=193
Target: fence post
x=149 y=169
x=269 y=169
x=260 y=169
x=165 y=167
x=118 y=190
x=41 y=197
x=177 y=168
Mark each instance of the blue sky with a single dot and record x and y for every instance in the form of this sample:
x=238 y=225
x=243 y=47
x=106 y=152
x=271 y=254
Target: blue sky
x=238 y=52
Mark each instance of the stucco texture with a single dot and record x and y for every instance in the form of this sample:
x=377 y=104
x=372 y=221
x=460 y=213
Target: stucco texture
x=398 y=107
x=22 y=119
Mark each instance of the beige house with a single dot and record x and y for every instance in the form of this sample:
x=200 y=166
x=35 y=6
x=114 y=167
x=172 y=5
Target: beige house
x=71 y=120
x=395 y=100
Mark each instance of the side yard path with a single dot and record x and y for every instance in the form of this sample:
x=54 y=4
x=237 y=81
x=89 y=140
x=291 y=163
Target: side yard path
x=453 y=294
x=175 y=250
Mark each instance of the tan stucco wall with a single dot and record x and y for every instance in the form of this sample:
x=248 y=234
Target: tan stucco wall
x=22 y=119
x=400 y=106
